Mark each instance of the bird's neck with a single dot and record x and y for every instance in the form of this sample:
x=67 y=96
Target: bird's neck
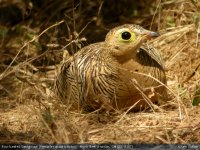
x=123 y=53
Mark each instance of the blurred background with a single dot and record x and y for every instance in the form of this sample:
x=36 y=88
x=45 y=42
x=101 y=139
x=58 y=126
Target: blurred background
x=89 y=20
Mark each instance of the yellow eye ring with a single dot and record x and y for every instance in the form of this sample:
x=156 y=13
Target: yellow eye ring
x=127 y=36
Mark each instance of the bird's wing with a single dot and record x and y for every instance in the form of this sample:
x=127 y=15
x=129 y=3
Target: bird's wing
x=153 y=53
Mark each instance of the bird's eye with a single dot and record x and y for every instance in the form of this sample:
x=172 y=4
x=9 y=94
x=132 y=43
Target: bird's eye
x=126 y=35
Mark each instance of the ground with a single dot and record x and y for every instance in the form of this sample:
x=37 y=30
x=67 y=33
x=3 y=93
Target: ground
x=30 y=54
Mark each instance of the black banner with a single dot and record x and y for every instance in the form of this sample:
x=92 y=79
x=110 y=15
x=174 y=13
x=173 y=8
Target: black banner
x=100 y=146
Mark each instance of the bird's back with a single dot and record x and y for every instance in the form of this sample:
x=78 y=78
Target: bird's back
x=90 y=75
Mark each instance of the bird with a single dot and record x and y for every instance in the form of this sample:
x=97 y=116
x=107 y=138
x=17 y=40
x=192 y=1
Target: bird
x=123 y=72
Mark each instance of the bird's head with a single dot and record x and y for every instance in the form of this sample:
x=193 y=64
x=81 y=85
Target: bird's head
x=125 y=40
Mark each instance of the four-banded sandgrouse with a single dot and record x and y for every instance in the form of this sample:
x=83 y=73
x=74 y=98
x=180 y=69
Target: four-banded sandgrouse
x=119 y=73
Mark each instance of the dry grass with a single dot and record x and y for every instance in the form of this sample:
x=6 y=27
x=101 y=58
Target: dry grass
x=32 y=115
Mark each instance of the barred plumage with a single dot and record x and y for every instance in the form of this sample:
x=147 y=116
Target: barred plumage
x=117 y=72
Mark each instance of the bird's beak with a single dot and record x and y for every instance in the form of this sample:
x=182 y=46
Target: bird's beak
x=154 y=34
x=151 y=34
